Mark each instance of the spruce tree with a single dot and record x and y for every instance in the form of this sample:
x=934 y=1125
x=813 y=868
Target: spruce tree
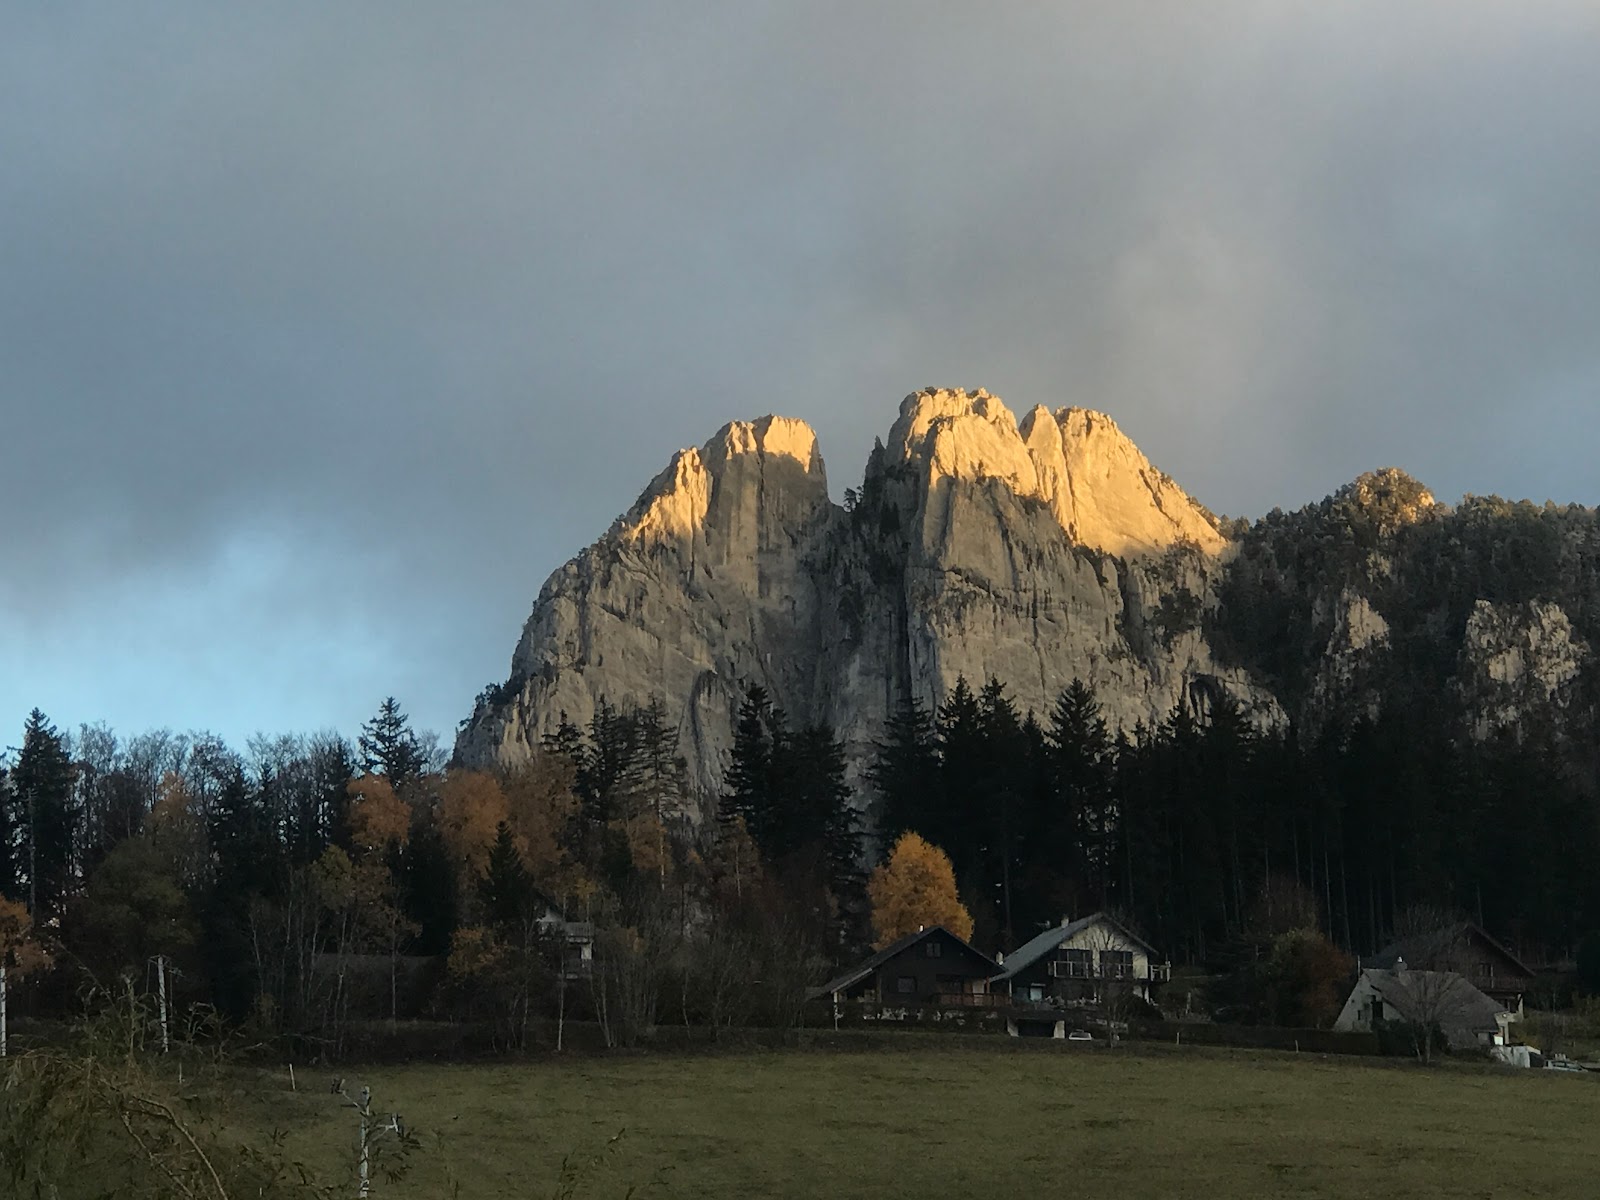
x=506 y=887
x=614 y=764
x=905 y=771
x=42 y=816
x=9 y=879
x=389 y=747
x=566 y=741
x=961 y=743
x=750 y=771
x=660 y=775
x=429 y=891
x=243 y=843
x=1079 y=827
x=997 y=808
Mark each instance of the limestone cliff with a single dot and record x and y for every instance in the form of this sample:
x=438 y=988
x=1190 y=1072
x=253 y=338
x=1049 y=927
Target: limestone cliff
x=1037 y=552
x=977 y=546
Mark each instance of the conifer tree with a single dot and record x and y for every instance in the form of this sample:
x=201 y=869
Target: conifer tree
x=506 y=887
x=750 y=772
x=42 y=816
x=962 y=755
x=1080 y=827
x=389 y=747
x=9 y=881
x=612 y=778
x=662 y=786
x=905 y=770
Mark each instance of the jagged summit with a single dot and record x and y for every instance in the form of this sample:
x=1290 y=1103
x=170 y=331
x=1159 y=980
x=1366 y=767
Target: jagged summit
x=1100 y=487
x=1036 y=552
x=964 y=554
x=678 y=502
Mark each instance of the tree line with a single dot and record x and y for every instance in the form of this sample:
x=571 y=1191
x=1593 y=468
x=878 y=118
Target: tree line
x=309 y=883
x=1183 y=826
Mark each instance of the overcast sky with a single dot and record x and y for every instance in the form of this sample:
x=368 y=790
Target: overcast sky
x=327 y=331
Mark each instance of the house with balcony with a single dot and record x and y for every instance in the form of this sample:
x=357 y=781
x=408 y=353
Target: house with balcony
x=1467 y=950
x=1078 y=963
x=931 y=968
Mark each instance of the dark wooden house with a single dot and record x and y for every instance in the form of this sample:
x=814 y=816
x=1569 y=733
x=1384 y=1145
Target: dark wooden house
x=1469 y=951
x=932 y=967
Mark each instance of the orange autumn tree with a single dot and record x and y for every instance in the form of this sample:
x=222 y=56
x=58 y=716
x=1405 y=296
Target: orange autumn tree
x=535 y=802
x=472 y=807
x=915 y=887
x=378 y=817
x=543 y=804
x=20 y=952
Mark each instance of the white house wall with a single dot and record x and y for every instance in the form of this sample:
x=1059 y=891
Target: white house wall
x=1105 y=936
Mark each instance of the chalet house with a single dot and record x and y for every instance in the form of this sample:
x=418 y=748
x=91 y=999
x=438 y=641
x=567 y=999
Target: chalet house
x=1468 y=951
x=932 y=967
x=1074 y=962
x=1466 y=1016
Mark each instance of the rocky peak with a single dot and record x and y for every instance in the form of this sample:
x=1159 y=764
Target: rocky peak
x=1386 y=499
x=1101 y=488
x=771 y=463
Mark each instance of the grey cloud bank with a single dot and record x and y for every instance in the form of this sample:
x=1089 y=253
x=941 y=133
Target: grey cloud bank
x=327 y=334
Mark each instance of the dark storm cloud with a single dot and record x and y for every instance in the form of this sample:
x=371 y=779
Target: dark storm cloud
x=327 y=333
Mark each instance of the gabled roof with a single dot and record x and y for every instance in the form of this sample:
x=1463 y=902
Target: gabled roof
x=857 y=973
x=1031 y=951
x=1456 y=1003
x=1420 y=948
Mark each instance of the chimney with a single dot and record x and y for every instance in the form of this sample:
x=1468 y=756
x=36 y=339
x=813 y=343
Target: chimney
x=1399 y=964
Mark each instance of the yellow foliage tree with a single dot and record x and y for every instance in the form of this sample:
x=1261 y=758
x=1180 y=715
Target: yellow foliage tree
x=914 y=888
x=20 y=952
x=472 y=806
x=542 y=804
x=378 y=817
x=177 y=828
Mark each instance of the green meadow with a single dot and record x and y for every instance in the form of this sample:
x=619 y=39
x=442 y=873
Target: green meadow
x=925 y=1119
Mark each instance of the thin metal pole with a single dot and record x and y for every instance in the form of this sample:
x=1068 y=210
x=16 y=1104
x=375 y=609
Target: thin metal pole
x=2 y=1010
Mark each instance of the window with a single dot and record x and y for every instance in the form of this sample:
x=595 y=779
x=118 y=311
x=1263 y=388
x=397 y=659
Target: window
x=906 y=984
x=1079 y=963
x=933 y=949
x=1116 y=964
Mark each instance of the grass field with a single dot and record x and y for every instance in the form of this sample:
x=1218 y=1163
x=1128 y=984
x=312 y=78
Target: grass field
x=928 y=1120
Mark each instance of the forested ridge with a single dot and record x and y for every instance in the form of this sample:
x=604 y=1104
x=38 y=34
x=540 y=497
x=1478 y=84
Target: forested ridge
x=306 y=881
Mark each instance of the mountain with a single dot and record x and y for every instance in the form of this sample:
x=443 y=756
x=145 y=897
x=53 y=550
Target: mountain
x=1036 y=552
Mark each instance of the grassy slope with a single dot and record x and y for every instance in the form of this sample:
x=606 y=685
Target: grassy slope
x=943 y=1121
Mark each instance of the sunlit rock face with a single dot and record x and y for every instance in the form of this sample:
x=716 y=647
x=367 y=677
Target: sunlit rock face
x=1034 y=553
x=701 y=585
x=1519 y=663
x=1102 y=491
